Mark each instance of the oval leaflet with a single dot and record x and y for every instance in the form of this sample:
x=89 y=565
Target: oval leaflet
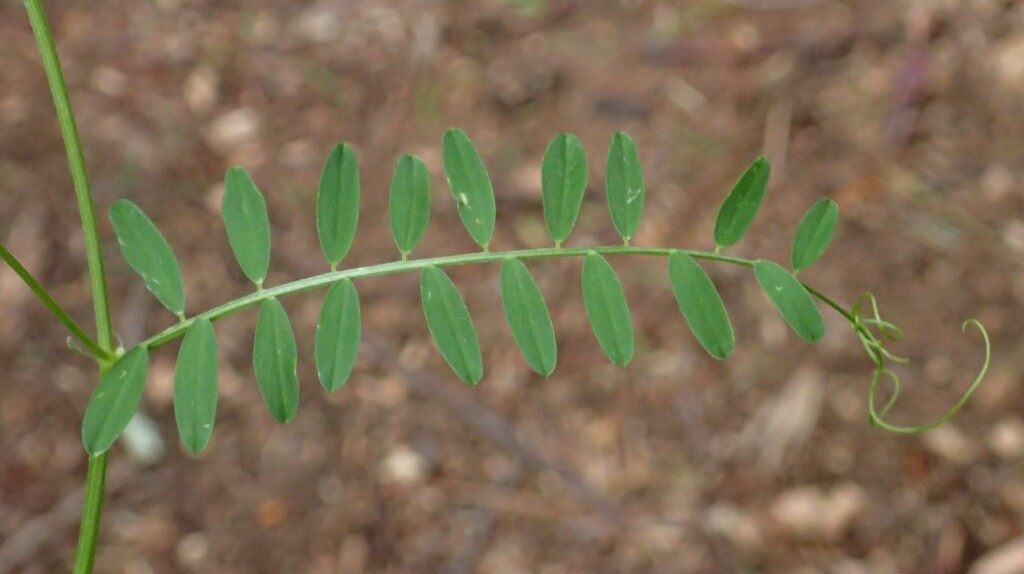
x=624 y=185
x=791 y=299
x=607 y=309
x=148 y=254
x=114 y=401
x=528 y=317
x=245 y=219
x=451 y=326
x=409 y=203
x=563 y=174
x=274 y=359
x=338 y=331
x=701 y=305
x=741 y=205
x=815 y=233
x=195 y=385
x=470 y=185
x=337 y=203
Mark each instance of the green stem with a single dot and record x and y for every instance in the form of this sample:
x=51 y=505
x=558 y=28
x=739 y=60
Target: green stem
x=828 y=301
x=91 y=511
x=394 y=267
x=96 y=477
x=54 y=307
x=76 y=161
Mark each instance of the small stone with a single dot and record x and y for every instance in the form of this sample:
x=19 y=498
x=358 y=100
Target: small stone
x=1008 y=63
x=735 y=525
x=950 y=444
x=659 y=535
x=1004 y=559
x=404 y=466
x=846 y=502
x=193 y=550
x=201 y=89
x=272 y=513
x=997 y=182
x=798 y=511
x=318 y=24
x=142 y=439
x=1006 y=439
x=808 y=513
x=231 y=130
x=108 y=81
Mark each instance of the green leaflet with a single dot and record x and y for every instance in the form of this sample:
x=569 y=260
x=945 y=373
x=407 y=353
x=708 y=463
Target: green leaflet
x=815 y=233
x=701 y=305
x=470 y=184
x=337 y=335
x=451 y=326
x=563 y=176
x=624 y=184
x=528 y=316
x=274 y=360
x=337 y=203
x=148 y=254
x=114 y=401
x=741 y=205
x=195 y=386
x=607 y=309
x=791 y=299
x=409 y=203
x=245 y=218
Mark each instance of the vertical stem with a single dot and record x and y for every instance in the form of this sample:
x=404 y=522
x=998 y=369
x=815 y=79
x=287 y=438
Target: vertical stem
x=76 y=161
x=97 y=473
x=90 y=529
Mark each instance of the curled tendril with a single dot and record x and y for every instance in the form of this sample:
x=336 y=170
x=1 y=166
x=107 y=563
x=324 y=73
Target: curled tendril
x=875 y=347
x=880 y=355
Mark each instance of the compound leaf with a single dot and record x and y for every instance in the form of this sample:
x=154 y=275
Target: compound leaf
x=741 y=205
x=470 y=184
x=563 y=176
x=607 y=309
x=409 y=203
x=148 y=254
x=245 y=218
x=114 y=401
x=195 y=385
x=528 y=316
x=701 y=305
x=791 y=299
x=337 y=335
x=274 y=360
x=815 y=233
x=624 y=184
x=450 y=325
x=337 y=203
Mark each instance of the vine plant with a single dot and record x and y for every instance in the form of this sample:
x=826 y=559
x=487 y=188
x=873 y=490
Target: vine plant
x=564 y=174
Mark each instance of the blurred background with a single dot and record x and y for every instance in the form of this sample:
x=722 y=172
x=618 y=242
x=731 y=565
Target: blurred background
x=908 y=113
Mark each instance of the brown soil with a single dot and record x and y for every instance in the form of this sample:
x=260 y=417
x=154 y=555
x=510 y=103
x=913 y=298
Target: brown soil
x=908 y=113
